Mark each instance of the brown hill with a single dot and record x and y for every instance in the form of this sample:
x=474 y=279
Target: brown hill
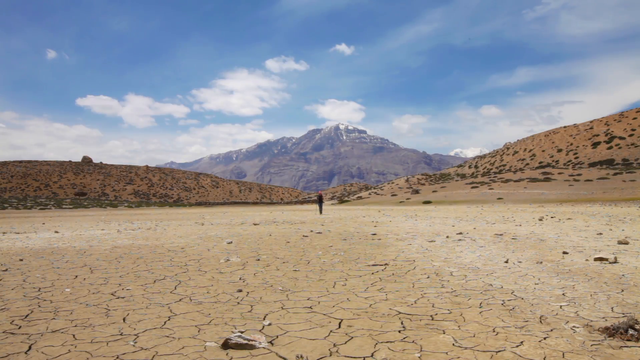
x=595 y=160
x=608 y=142
x=64 y=180
x=340 y=192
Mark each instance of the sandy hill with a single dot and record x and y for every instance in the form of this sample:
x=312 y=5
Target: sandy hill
x=608 y=142
x=63 y=180
x=340 y=192
x=320 y=159
x=595 y=160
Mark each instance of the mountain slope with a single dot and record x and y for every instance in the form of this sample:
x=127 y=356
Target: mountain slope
x=611 y=141
x=64 y=180
x=320 y=159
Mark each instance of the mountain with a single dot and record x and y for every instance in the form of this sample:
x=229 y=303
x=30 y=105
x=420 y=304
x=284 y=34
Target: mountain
x=88 y=180
x=608 y=142
x=320 y=159
x=469 y=153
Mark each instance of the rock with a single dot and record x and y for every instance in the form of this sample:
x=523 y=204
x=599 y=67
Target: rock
x=506 y=261
x=373 y=233
x=239 y=290
x=541 y=218
x=623 y=242
x=228 y=242
x=301 y=357
x=565 y=253
x=256 y=223
x=599 y=234
x=610 y=259
x=80 y=193
x=242 y=342
x=211 y=343
x=86 y=160
x=3 y=269
x=227 y=259
x=319 y=232
x=266 y=323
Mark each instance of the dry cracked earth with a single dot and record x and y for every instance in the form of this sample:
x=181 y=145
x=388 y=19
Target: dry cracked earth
x=357 y=283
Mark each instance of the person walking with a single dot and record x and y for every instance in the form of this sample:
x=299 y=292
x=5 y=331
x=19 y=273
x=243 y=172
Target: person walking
x=320 y=201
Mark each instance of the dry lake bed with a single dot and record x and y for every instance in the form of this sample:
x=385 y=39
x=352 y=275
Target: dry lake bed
x=431 y=282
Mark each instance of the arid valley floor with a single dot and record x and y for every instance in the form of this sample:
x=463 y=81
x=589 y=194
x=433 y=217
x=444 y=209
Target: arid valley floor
x=376 y=282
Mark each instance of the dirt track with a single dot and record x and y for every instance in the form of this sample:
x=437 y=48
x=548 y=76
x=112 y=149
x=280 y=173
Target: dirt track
x=434 y=281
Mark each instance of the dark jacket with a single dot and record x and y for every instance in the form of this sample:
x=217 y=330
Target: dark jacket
x=320 y=199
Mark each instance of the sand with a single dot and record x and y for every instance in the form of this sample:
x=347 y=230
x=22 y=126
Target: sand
x=376 y=282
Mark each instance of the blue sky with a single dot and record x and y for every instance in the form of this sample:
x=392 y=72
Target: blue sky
x=146 y=82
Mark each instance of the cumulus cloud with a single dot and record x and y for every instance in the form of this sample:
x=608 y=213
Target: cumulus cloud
x=338 y=111
x=38 y=138
x=215 y=138
x=470 y=152
x=2 y=125
x=344 y=48
x=51 y=54
x=490 y=111
x=284 y=64
x=136 y=110
x=241 y=92
x=188 y=122
x=409 y=125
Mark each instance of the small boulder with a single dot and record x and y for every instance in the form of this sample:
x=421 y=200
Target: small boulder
x=86 y=160
x=243 y=342
x=623 y=242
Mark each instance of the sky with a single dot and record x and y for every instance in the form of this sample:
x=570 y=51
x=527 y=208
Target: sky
x=151 y=81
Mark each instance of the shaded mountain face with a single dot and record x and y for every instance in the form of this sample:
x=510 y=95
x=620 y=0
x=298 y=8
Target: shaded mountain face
x=320 y=159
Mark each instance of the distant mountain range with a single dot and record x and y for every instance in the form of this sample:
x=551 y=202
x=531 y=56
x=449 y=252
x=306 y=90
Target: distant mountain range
x=320 y=159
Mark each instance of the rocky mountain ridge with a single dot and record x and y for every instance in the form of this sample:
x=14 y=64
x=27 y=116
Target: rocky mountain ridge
x=320 y=159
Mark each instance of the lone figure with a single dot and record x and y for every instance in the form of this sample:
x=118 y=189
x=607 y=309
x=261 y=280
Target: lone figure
x=320 y=201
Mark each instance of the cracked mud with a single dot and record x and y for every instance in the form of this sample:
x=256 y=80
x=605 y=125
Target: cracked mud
x=432 y=283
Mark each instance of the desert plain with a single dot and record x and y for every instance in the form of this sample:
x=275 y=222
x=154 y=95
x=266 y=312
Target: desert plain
x=482 y=281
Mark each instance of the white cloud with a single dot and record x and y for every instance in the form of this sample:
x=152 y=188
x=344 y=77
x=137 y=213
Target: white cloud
x=490 y=111
x=470 y=152
x=216 y=138
x=409 y=124
x=36 y=138
x=284 y=63
x=136 y=110
x=188 y=122
x=241 y=92
x=338 y=111
x=344 y=48
x=585 y=18
x=51 y=54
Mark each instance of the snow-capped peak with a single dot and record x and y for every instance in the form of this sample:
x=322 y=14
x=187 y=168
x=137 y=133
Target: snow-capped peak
x=469 y=153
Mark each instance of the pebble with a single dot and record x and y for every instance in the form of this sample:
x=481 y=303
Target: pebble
x=228 y=241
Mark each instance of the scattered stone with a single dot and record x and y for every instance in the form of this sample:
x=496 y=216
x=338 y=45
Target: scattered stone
x=239 y=290
x=541 y=218
x=305 y=235
x=565 y=253
x=506 y=261
x=301 y=357
x=610 y=259
x=56 y=232
x=3 y=269
x=228 y=242
x=227 y=259
x=266 y=323
x=599 y=234
x=623 y=242
x=372 y=234
x=239 y=341
x=211 y=343
x=319 y=232
x=256 y=223
x=20 y=259
x=86 y=160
